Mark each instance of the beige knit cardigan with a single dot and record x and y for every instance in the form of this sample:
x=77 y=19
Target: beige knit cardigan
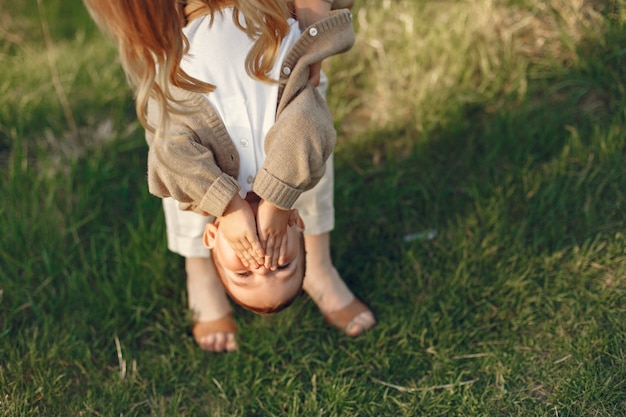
x=200 y=169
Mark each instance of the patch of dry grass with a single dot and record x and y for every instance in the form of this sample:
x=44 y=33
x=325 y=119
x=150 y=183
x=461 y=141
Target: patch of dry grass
x=414 y=58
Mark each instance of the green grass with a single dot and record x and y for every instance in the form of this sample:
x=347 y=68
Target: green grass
x=500 y=125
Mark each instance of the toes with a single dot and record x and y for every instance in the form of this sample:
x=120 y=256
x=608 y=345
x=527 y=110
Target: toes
x=360 y=324
x=231 y=343
x=207 y=342
x=218 y=342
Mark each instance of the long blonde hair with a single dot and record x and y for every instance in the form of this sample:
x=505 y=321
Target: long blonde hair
x=151 y=45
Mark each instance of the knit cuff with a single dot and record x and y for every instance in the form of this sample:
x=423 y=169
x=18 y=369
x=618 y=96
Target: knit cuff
x=274 y=191
x=219 y=195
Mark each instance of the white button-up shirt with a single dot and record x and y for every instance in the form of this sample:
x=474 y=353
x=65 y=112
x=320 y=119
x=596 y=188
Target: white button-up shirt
x=217 y=55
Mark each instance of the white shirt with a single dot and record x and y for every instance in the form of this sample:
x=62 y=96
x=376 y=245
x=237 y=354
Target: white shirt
x=217 y=55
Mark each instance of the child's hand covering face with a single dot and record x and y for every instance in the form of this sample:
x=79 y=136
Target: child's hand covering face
x=238 y=227
x=272 y=225
x=258 y=288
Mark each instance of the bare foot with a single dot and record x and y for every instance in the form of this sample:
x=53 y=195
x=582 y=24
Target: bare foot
x=329 y=292
x=214 y=329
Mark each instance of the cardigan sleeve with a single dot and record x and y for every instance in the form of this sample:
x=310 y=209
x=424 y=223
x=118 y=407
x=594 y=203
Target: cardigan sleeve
x=303 y=136
x=187 y=168
x=297 y=147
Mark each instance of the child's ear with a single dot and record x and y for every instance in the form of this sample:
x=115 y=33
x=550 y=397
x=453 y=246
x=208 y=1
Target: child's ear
x=210 y=232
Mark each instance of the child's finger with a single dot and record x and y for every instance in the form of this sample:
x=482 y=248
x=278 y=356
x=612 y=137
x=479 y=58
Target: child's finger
x=241 y=253
x=245 y=252
x=263 y=242
x=269 y=252
x=256 y=251
x=276 y=254
x=282 y=253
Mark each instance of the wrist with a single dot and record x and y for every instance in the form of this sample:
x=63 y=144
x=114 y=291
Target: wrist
x=309 y=12
x=270 y=207
x=235 y=204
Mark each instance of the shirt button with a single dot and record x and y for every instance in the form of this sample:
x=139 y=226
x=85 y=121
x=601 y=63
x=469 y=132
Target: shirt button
x=286 y=70
x=250 y=179
x=244 y=143
x=313 y=31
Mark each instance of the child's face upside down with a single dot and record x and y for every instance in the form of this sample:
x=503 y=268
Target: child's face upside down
x=258 y=289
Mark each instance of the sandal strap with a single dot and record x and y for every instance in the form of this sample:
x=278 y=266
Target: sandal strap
x=344 y=316
x=225 y=324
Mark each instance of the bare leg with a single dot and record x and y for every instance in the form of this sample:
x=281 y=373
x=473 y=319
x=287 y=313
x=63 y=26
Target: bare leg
x=208 y=303
x=324 y=285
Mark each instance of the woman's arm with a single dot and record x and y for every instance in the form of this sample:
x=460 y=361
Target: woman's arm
x=309 y=12
x=303 y=136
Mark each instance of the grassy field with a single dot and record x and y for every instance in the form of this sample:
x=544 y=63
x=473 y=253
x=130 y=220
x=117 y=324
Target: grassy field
x=481 y=199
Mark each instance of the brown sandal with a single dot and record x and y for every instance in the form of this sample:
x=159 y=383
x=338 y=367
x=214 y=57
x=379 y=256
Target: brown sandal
x=343 y=318
x=201 y=329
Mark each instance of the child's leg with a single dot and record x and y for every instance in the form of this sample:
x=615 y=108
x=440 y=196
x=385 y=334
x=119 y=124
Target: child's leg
x=209 y=304
x=214 y=328
x=324 y=285
x=322 y=281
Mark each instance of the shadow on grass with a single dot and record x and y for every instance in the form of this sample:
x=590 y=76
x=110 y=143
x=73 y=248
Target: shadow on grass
x=523 y=196
x=549 y=169
x=527 y=200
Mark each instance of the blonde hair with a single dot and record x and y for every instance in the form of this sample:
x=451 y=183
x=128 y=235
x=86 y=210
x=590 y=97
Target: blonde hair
x=151 y=45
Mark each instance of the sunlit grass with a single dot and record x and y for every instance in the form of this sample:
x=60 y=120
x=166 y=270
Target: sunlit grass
x=454 y=54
